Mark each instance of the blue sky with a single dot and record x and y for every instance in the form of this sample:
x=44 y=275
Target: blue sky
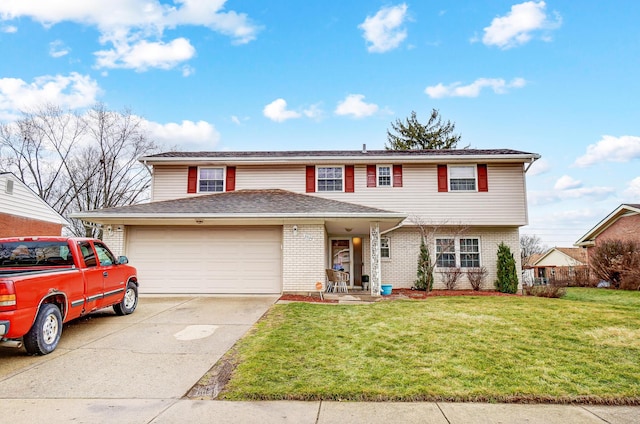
x=558 y=78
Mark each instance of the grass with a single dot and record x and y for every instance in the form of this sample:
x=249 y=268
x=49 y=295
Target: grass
x=582 y=348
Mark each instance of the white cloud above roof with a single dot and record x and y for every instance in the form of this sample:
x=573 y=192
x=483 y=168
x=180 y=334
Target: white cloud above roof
x=136 y=27
x=456 y=89
x=633 y=190
x=519 y=25
x=354 y=105
x=610 y=149
x=58 y=49
x=71 y=91
x=277 y=111
x=187 y=134
x=566 y=183
x=383 y=31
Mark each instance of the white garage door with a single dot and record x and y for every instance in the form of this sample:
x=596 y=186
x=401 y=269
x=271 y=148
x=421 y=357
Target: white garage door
x=206 y=259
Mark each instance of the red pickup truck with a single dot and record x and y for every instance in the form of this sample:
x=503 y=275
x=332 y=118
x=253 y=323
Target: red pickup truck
x=47 y=281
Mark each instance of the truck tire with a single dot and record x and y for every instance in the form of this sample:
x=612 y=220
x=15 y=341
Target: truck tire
x=44 y=335
x=129 y=301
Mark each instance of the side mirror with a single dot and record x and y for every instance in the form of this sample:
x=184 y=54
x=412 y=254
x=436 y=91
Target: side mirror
x=122 y=260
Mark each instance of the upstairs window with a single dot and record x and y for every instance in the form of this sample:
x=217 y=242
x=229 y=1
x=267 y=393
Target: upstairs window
x=211 y=179
x=330 y=178
x=462 y=178
x=384 y=176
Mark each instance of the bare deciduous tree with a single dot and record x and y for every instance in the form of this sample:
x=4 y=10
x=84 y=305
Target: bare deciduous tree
x=530 y=245
x=79 y=162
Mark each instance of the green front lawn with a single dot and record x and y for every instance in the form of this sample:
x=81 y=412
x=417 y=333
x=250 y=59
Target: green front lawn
x=582 y=348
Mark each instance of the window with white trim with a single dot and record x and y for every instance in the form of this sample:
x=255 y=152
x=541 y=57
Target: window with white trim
x=461 y=252
x=445 y=253
x=384 y=176
x=330 y=178
x=462 y=178
x=469 y=253
x=211 y=179
x=385 y=248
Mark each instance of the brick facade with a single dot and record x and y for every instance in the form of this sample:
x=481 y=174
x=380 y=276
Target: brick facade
x=401 y=268
x=16 y=226
x=303 y=258
x=626 y=228
x=115 y=240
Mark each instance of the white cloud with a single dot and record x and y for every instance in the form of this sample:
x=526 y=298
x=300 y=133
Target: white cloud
x=314 y=112
x=566 y=183
x=143 y=54
x=191 y=134
x=498 y=85
x=588 y=193
x=277 y=111
x=9 y=29
x=73 y=91
x=187 y=71
x=539 y=167
x=383 y=31
x=235 y=120
x=140 y=22
x=517 y=26
x=611 y=149
x=58 y=49
x=633 y=191
x=355 y=106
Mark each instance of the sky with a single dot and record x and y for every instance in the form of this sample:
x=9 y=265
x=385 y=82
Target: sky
x=558 y=78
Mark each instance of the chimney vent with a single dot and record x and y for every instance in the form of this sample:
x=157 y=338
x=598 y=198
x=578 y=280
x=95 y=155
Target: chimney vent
x=364 y=148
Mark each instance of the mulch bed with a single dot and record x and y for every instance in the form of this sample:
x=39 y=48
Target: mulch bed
x=400 y=294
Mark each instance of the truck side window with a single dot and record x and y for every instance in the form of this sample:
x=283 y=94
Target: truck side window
x=87 y=254
x=104 y=255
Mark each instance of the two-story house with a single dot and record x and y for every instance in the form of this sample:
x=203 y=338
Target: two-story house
x=268 y=222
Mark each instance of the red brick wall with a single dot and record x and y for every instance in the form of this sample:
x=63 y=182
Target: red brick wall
x=15 y=226
x=625 y=228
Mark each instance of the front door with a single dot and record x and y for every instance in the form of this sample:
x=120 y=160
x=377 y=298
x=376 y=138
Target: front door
x=341 y=257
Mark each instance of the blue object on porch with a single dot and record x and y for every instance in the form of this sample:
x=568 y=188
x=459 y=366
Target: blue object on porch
x=385 y=289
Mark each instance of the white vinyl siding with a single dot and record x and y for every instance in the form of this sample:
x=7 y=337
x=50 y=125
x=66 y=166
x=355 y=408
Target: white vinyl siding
x=207 y=259
x=504 y=204
x=22 y=201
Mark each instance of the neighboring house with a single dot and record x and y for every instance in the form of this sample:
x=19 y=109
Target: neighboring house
x=24 y=213
x=621 y=224
x=560 y=264
x=268 y=222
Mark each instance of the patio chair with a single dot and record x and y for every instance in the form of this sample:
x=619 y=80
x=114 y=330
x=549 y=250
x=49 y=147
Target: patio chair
x=337 y=281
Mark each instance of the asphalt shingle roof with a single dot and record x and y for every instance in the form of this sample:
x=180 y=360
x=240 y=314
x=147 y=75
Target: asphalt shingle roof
x=246 y=202
x=339 y=153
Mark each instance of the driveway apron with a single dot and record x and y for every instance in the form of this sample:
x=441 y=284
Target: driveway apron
x=158 y=352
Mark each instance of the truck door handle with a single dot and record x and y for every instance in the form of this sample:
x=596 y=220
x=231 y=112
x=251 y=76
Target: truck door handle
x=105 y=274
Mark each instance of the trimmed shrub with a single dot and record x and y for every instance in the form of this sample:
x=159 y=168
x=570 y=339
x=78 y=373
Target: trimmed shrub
x=424 y=279
x=507 y=281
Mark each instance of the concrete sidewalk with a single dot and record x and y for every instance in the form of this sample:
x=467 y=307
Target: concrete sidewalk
x=156 y=411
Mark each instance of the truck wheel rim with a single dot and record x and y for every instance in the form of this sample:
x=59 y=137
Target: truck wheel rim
x=129 y=298
x=50 y=329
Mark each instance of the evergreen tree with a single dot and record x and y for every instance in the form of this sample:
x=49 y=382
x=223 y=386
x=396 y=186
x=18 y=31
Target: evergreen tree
x=507 y=281
x=412 y=135
x=425 y=269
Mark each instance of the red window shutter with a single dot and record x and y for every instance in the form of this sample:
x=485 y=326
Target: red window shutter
x=483 y=183
x=397 y=175
x=371 y=176
x=231 y=178
x=443 y=184
x=311 y=179
x=192 y=180
x=348 y=179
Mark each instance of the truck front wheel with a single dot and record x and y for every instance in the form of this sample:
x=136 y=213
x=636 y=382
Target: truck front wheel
x=44 y=335
x=129 y=301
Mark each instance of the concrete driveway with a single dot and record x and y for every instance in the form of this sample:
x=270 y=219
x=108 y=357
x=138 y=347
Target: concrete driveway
x=143 y=362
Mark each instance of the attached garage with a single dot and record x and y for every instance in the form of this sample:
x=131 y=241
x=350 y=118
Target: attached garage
x=201 y=259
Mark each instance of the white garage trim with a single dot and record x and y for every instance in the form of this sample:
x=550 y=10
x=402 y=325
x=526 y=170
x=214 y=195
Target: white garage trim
x=215 y=260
